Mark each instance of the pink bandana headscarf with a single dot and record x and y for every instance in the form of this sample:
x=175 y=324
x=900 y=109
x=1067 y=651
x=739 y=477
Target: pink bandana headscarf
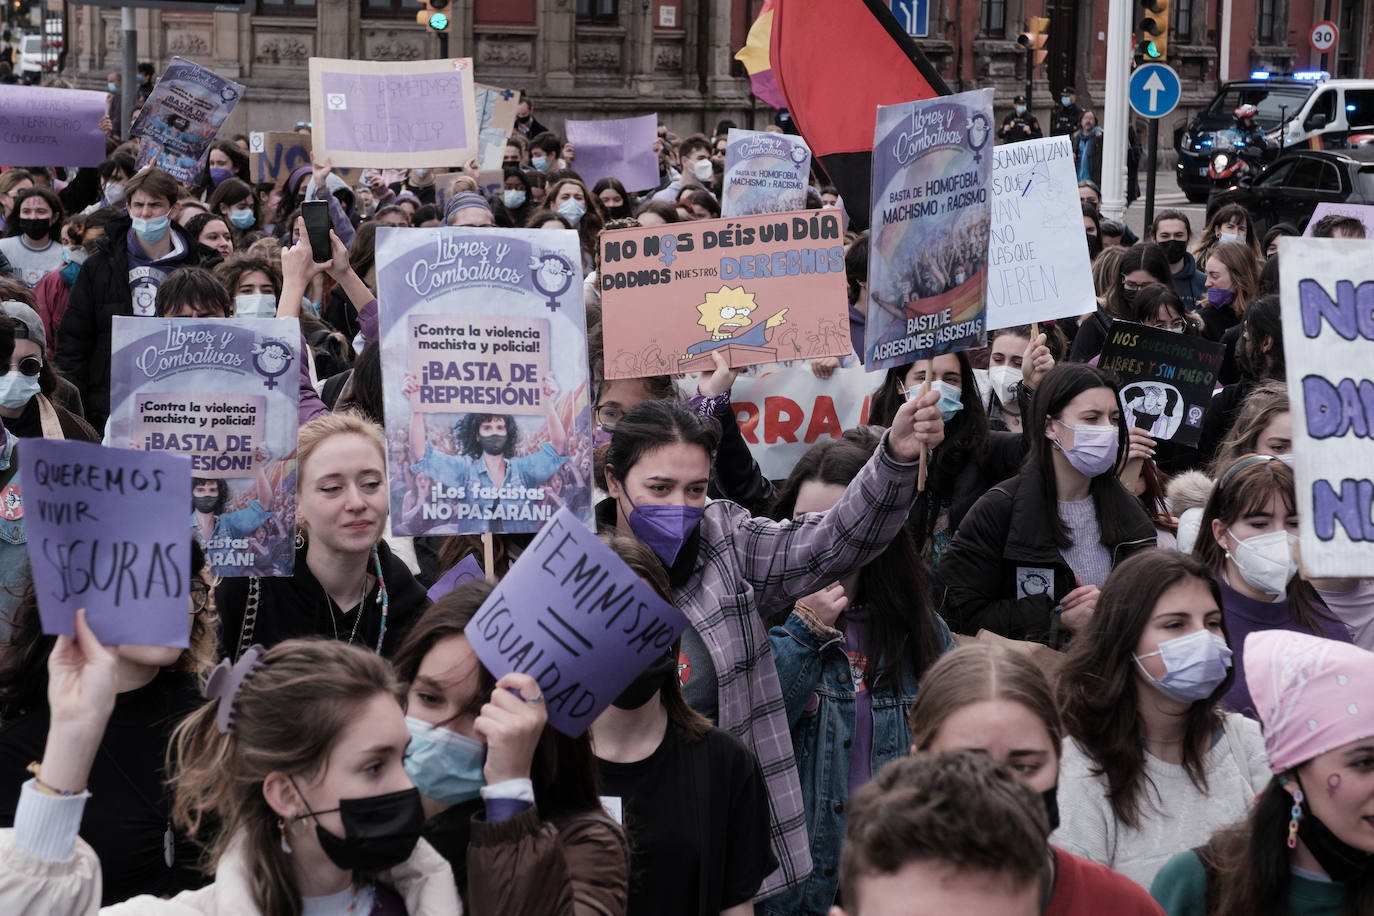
x=1313 y=695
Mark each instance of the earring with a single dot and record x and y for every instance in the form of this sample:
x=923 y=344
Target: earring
x=285 y=844
x=300 y=539
x=1294 y=814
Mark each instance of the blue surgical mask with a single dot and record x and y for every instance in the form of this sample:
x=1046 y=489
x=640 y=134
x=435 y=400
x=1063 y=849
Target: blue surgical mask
x=1064 y=100
x=513 y=200
x=1194 y=666
x=242 y=219
x=444 y=765
x=572 y=211
x=152 y=229
x=951 y=401
x=664 y=528
x=255 y=305
x=540 y=162
x=112 y=87
x=1229 y=237
x=17 y=389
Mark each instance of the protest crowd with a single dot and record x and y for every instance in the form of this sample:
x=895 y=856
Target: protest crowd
x=977 y=590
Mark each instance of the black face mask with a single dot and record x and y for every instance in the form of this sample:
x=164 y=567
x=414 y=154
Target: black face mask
x=204 y=503
x=1128 y=295
x=1094 y=245
x=380 y=831
x=36 y=229
x=1051 y=798
x=492 y=445
x=642 y=689
x=1340 y=860
x=1174 y=250
x=510 y=163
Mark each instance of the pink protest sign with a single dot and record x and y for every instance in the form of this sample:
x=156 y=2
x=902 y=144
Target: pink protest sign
x=393 y=114
x=107 y=532
x=574 y=617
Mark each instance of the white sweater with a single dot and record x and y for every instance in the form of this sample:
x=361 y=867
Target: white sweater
x=1174 y=814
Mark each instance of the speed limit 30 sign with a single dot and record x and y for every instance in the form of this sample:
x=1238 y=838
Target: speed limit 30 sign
x=1324 y=36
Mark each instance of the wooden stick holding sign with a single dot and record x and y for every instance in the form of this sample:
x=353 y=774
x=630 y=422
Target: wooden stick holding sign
x=925 y=449
x=488 y=557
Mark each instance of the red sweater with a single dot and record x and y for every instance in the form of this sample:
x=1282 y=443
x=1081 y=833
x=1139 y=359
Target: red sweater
x=1084 y=888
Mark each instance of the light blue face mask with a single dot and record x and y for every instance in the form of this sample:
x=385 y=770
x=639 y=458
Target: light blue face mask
x=17 y=389
x=540 y=162
x=951 y=398
x=242 y=219
x=513 y=199
x=153 y=228
x=255 y=305
x=572 y=211
x=444 y=765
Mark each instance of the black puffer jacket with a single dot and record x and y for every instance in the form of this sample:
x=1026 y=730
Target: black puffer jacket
x=993 y=575
x=100 y=292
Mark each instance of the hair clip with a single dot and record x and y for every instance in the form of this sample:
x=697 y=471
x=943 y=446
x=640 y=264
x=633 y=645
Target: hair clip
x=226 y=681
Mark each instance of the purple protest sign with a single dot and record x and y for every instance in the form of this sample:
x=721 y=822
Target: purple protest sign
x=621 y=148
x=107 y=532
x=180 y=119
x=394 y=114
x=764 y=173
x=41 y=123
x=467 y=570
x=574 y=617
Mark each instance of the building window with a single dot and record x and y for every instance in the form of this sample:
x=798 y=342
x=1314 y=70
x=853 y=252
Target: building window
x=1348 y=50
x=993 y=18
x=388 y=9
x=286 y=7
x=1182 y=21
x=597 y=12
x=1267 y=16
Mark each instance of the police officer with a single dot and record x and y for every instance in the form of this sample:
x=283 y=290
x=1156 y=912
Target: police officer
x=1020 y=124
x=1067 y=114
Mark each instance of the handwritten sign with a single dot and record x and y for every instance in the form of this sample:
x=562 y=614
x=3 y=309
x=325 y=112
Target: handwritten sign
x=758 y=289
x=931 y=210
x=1167 y=379
x=1038 y=266
x=484 y=358
x=466 y=570
x=223 y=392
x=1327 y=286
x=42 y=124
x=495 y=121
x=179 y=121
x=621 y=148
x=574 y=617
x=106 y=533
x=764 y=173
x=393 y=114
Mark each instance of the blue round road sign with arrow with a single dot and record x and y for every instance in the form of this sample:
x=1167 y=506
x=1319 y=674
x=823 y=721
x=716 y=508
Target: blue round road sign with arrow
x=1154 y=90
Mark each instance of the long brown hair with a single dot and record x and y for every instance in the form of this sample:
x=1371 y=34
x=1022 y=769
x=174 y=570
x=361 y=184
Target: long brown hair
x=1264 y=402
x=976 y=673
x=1245 y=491
x=287 y=717
x=1243 y=267
x=1098 y=687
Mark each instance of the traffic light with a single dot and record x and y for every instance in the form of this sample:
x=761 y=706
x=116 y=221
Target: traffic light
x=1154 y=28
x=1034 y=38
x=435 y=15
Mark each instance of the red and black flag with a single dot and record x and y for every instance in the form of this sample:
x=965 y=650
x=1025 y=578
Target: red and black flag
x=835 y=62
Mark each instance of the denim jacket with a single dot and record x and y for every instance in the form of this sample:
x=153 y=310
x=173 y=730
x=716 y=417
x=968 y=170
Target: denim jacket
x=813 y=664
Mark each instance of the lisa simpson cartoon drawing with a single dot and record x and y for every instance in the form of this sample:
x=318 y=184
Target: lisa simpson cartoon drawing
x=726 y=316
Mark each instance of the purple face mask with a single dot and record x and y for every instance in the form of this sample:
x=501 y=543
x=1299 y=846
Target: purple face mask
x=601 y=438
x=219 y=176
x=664 y=528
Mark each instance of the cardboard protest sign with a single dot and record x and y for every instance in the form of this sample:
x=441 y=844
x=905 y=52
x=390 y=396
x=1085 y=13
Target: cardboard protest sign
x=1167 y=379
x=105 y=534
x=1362 y=212
x=179 y=120
x=621 y=148
x=484 y=355
x=927 y=261
x=393 y=114
x=784 y=412
x=764 y=173
x=759 y=289
x=1326 y=286
x=1038 y=265
x=39 y=123
x=495 y=121
x=465 y=570
x=574 y=617
x=274 y=154
x=223 y=391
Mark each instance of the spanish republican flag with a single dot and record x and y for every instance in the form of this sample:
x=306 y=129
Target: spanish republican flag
x=754 y=56
x=834 y=62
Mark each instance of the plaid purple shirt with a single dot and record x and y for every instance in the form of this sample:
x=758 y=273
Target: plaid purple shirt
x=751 y=568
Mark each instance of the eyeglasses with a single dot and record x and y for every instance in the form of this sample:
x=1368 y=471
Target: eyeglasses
x=30 y=366
x=201 y=592
x=607 y=417
x=1178 y=324
x=1132 y=286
